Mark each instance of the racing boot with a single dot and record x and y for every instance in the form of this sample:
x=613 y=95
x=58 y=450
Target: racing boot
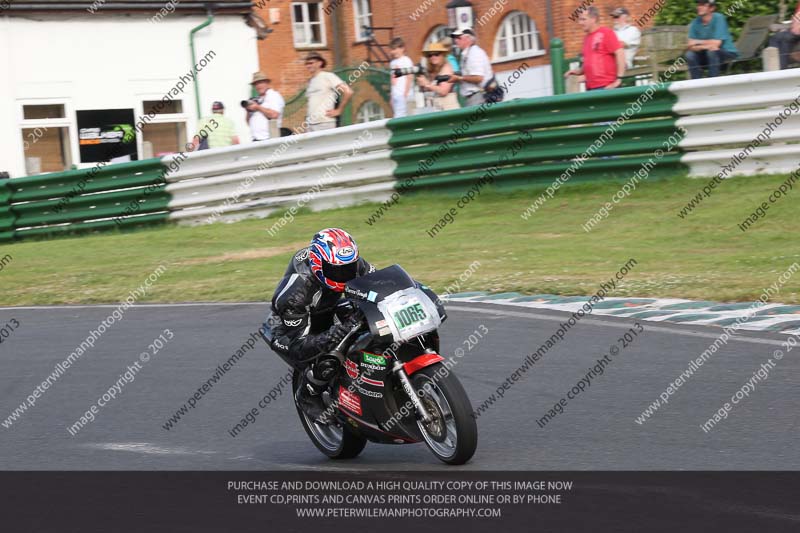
x=309 y=396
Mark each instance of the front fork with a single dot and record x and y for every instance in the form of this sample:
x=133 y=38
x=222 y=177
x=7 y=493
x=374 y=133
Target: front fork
x=401 y=374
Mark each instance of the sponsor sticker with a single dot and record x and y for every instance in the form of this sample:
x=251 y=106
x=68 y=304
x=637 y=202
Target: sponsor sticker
x=372 y=296
x=356 y=292
x=384 y=331
x=352 y=368
x=349 y=400
x=373 y=359
x=371 y=394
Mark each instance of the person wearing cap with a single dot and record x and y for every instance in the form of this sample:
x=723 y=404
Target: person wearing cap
x=603 y=54
x=476 y=69
x=710 y=42
x=438 y=96
x=628 y=34
x=401 y=86
x=217 y=130
x=327 y=94
x=265 y=112
x=786 y=40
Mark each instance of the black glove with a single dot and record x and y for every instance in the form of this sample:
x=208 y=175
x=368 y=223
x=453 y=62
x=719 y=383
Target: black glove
x=337 y=333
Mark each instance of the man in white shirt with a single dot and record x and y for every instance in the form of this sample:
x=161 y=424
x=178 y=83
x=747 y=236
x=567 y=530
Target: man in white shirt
x=324 y=88
x=476 y=69
x=628 y=34
x=264 y=116
x=401 y=85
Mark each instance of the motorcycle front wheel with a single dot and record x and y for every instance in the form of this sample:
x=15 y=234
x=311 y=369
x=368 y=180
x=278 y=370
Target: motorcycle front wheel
x=452 y=434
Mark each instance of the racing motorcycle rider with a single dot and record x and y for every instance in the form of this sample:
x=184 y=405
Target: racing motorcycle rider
x=301 y=323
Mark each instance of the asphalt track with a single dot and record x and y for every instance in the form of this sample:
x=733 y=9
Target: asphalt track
x=597 y=430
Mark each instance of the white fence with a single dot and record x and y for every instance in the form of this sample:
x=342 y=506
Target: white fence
x=725 y=115
x=318 y=170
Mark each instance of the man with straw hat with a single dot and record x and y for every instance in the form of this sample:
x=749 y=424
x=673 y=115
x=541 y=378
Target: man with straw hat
x=327 y=94
x=264 y=112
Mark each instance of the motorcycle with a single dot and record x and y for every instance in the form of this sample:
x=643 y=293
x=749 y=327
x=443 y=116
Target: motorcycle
x=388 y=382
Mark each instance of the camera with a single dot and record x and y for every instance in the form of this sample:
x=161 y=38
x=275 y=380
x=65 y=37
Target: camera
x=445 y=77
x=249 y=101
x=418 y=69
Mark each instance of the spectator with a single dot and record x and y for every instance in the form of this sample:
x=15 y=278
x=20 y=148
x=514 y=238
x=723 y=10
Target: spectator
x=786 y=40
x=219 y=130
x=438 y=96
x=265 y=112
x=628 y=34
x=401 y=85
x=324 y=89
x=603 y=54
x=476 y=69
x=710 y=41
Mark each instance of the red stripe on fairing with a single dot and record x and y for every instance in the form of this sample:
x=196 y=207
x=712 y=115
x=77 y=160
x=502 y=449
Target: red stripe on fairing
x=426 y=359
x=372 y=381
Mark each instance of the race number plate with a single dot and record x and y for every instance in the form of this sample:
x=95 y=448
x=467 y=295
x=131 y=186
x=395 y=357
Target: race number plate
x=409 y=313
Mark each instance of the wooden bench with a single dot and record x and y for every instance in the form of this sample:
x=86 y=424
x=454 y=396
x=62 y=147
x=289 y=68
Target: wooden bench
x=661 y=46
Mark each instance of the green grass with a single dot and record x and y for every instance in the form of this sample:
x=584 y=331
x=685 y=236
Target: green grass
x=702 y=257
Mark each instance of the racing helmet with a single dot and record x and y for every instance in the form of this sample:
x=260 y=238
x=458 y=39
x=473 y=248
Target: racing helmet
x=333 y=258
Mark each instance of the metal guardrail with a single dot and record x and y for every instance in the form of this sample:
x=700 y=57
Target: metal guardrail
x=453 y=149
x=103 y=197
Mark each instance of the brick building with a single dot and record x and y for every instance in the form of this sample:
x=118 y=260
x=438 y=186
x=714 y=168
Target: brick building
x=512 y=32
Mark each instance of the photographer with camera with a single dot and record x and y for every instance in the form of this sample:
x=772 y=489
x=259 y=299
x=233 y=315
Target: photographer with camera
x=401 y=85
x=475 y=66
x=435 y=82
x=264 y=112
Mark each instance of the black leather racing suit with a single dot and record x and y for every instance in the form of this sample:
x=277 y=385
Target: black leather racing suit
x=302 y=312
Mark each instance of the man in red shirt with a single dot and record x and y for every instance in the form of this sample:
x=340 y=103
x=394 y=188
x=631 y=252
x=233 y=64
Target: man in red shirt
x=603 y=54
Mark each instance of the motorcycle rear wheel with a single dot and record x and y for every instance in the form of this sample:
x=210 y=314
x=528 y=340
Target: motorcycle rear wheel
x=336 y=440
x=452 y=436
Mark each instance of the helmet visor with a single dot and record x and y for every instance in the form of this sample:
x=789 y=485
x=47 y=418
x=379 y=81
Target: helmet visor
x=340 y=273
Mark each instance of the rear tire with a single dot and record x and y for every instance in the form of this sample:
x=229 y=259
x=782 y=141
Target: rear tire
x=453 y=435
x=336 y=440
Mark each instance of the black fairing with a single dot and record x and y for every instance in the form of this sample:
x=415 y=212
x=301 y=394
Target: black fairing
x=376 y=395
x=369 y=289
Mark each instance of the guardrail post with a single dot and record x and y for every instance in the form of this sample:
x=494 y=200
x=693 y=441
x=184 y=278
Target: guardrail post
x=770 y=59
x=558 y=65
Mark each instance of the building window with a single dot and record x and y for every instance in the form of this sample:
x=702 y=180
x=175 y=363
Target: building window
x=163 y=129
x=439 y=34
x=370 y=111
x=307 y=24
x=362 y=15
x=517 y=38
x=45 y=138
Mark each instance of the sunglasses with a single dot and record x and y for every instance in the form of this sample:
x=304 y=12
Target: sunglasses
x=432 y=54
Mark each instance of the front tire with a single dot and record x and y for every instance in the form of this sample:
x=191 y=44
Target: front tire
x=335 y=440
x=452 y=436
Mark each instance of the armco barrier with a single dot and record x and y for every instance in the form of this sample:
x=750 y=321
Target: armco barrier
x=319 y=170
x=722 y=116
x=119 y=195
x=451 y=149
x=371 y=162
x=6 y=216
